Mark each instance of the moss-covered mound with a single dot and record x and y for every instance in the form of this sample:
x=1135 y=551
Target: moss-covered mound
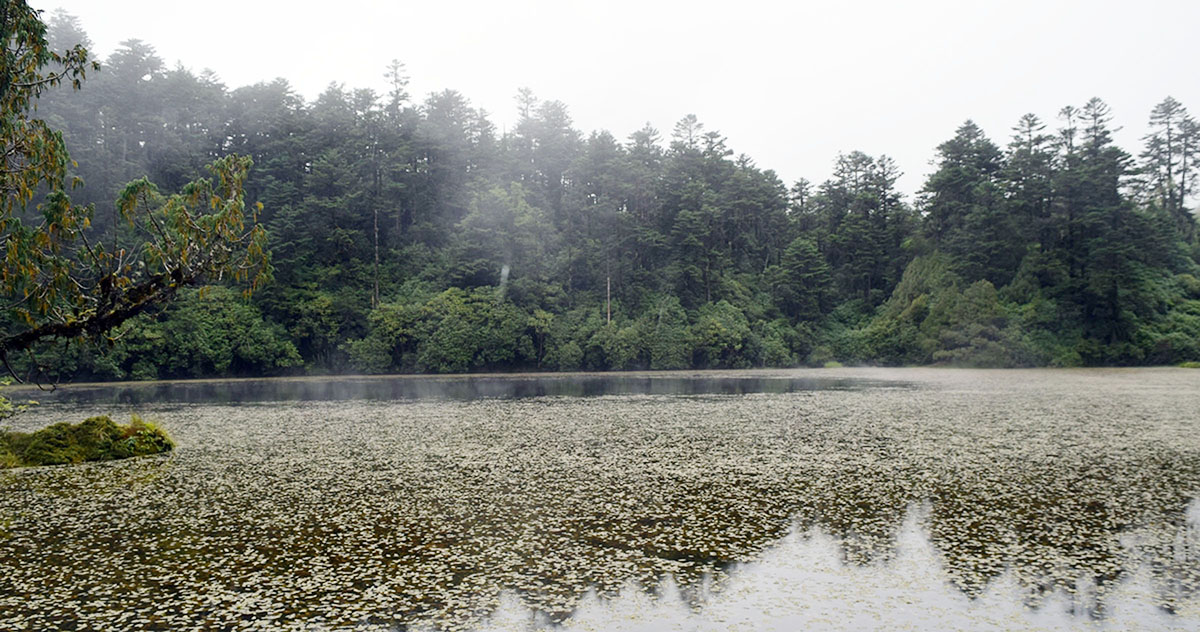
x=94 y=439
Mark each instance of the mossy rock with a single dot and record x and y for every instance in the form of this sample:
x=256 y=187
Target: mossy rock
x=93 y=439
x=54 y=445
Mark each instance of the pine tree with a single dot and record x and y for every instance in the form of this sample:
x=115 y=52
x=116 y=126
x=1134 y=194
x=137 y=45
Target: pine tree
x=1169 y=162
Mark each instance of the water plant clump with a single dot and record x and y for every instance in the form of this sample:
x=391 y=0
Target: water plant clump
x=93 y=439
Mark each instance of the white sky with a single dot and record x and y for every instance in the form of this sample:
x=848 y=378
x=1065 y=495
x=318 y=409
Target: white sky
x=789 y=83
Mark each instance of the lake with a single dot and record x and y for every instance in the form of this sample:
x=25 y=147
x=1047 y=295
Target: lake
x=823 y=499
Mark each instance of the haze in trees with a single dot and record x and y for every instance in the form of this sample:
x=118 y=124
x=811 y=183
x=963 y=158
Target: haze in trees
x=392 y=219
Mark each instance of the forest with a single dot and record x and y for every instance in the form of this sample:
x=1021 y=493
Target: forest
x=409 y=234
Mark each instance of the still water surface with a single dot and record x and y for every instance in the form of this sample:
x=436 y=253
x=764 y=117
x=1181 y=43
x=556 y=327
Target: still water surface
x=471 y=387
x=832 y=499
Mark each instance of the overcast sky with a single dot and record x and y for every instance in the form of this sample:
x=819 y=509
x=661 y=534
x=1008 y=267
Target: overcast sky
x=791 y=84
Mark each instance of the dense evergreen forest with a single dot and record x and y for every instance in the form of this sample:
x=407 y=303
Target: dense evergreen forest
x=410 y=235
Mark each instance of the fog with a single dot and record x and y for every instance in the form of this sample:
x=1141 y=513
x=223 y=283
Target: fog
x=789 y=84
x=458 y=388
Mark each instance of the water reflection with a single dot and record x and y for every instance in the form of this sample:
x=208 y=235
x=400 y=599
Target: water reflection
x=804 y=583
x=439 y=512
x=457 y=388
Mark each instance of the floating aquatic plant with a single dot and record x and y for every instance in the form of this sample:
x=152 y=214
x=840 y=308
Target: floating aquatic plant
x=385 y=514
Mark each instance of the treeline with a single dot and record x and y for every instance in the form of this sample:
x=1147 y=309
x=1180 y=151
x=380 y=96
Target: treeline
x=413 y=236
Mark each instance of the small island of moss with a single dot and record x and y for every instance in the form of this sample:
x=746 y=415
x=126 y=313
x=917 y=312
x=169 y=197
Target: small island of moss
x=93 y=439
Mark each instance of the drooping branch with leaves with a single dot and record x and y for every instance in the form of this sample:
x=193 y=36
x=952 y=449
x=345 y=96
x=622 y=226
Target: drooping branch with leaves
x=58 y=279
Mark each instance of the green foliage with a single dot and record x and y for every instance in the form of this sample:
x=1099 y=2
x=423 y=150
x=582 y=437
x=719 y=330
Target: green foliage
x=965 y=212
x=906 y=330
x=37 y=268
x=780 y=345
x=8 y=458
x=568 y=357
x=669 y=338
x=213 y=332
x=94 y=439
x=392 y=331
x=205 y=332
x=7 y=407
x=62 y=280
x=719 y=334
x=1175 y=338
x=418 y=237
x=977 y=332
x=503 y=229
x=804 y=281
x=461 y=331
x=615 y=346
x=931 y=318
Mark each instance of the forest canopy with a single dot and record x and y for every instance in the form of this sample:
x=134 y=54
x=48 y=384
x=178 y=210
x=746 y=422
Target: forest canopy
x=409 y=234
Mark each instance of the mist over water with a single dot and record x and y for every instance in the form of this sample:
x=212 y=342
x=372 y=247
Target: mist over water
x=462 y=388
x=953 y=499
